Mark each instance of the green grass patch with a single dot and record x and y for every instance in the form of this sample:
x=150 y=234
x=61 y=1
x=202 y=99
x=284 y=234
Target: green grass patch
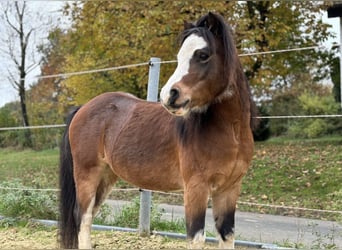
x=38 y=169
x=300 y=173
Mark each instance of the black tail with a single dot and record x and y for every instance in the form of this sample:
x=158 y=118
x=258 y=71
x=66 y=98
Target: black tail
x=69 y=220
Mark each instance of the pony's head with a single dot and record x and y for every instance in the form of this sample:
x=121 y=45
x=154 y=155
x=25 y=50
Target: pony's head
x=206 y=70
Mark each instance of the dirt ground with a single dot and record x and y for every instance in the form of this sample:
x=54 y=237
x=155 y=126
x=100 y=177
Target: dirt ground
x=46 y=238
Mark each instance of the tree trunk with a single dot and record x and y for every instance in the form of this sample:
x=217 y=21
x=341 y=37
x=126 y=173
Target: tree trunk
x=24 y=38
x=27 y=134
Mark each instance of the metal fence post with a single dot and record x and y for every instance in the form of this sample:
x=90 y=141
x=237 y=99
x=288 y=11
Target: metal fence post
x=341 y=60
x=145 y=196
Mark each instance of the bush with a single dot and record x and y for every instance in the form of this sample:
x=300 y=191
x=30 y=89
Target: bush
x=19 y=202
x=314 y=105
x=45 y=138
x=307 y=103
x=317 y=128
x=318 y=105
x=311 y=128
x=283 y=104
x=9 y=138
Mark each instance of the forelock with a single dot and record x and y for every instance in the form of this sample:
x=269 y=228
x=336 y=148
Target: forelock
x=199 y=31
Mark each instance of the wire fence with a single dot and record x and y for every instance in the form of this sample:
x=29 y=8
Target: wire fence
x=33 y=127
x=257 y=117
x=181 y=195
x=65 y=75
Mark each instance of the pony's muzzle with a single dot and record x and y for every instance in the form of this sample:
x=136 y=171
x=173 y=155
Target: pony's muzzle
x=174 y=104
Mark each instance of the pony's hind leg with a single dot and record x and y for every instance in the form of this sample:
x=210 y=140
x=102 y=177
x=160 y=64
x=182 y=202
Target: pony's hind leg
x=84 y=240
x=105 y=187
x=87 y=181
x=92 y=184
x=224 y=203
x=195 y=200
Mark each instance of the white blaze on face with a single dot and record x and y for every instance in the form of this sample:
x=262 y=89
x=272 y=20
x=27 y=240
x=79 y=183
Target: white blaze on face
x=190 y=45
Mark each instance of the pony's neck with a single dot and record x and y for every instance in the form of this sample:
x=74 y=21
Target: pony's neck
x=234 y=103
x=230 y=108
x=218 y=117
x=227 y=93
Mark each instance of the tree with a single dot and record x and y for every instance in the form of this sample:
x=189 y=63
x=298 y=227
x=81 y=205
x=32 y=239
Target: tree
x=43 y=95
x=18 y=36
x=336 y=78
x=280 y=25
x=106 y=34
x=21 y=28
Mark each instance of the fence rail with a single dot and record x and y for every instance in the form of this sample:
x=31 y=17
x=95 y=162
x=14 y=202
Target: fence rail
x=64 y=75
x=257 y=117
x=180 y=194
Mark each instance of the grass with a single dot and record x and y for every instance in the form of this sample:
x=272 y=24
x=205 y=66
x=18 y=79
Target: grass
x=37 y=169
x=300 y=173
x=297 y=173
x=128 y=217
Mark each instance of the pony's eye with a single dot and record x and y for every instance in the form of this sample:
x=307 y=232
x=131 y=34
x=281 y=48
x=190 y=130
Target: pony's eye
x=203 y=57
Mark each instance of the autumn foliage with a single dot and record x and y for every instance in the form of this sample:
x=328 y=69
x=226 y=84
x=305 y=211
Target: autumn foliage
x=105 y=34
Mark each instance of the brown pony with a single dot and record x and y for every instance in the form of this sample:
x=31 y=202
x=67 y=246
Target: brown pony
x=198 y=139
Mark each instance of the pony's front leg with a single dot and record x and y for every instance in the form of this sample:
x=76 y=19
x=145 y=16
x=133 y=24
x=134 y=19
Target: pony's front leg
x=195 y=202
x=224 y=203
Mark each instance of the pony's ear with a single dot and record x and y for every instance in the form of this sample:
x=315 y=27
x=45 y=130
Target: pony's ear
x=188 y=25
x=213 y=24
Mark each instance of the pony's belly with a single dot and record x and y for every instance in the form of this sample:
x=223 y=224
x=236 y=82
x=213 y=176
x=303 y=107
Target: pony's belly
x=152 y=178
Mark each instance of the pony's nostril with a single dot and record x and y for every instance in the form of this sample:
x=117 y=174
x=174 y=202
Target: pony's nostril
x=174 y=94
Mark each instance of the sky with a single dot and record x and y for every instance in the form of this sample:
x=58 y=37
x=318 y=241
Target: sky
x=9 y=94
